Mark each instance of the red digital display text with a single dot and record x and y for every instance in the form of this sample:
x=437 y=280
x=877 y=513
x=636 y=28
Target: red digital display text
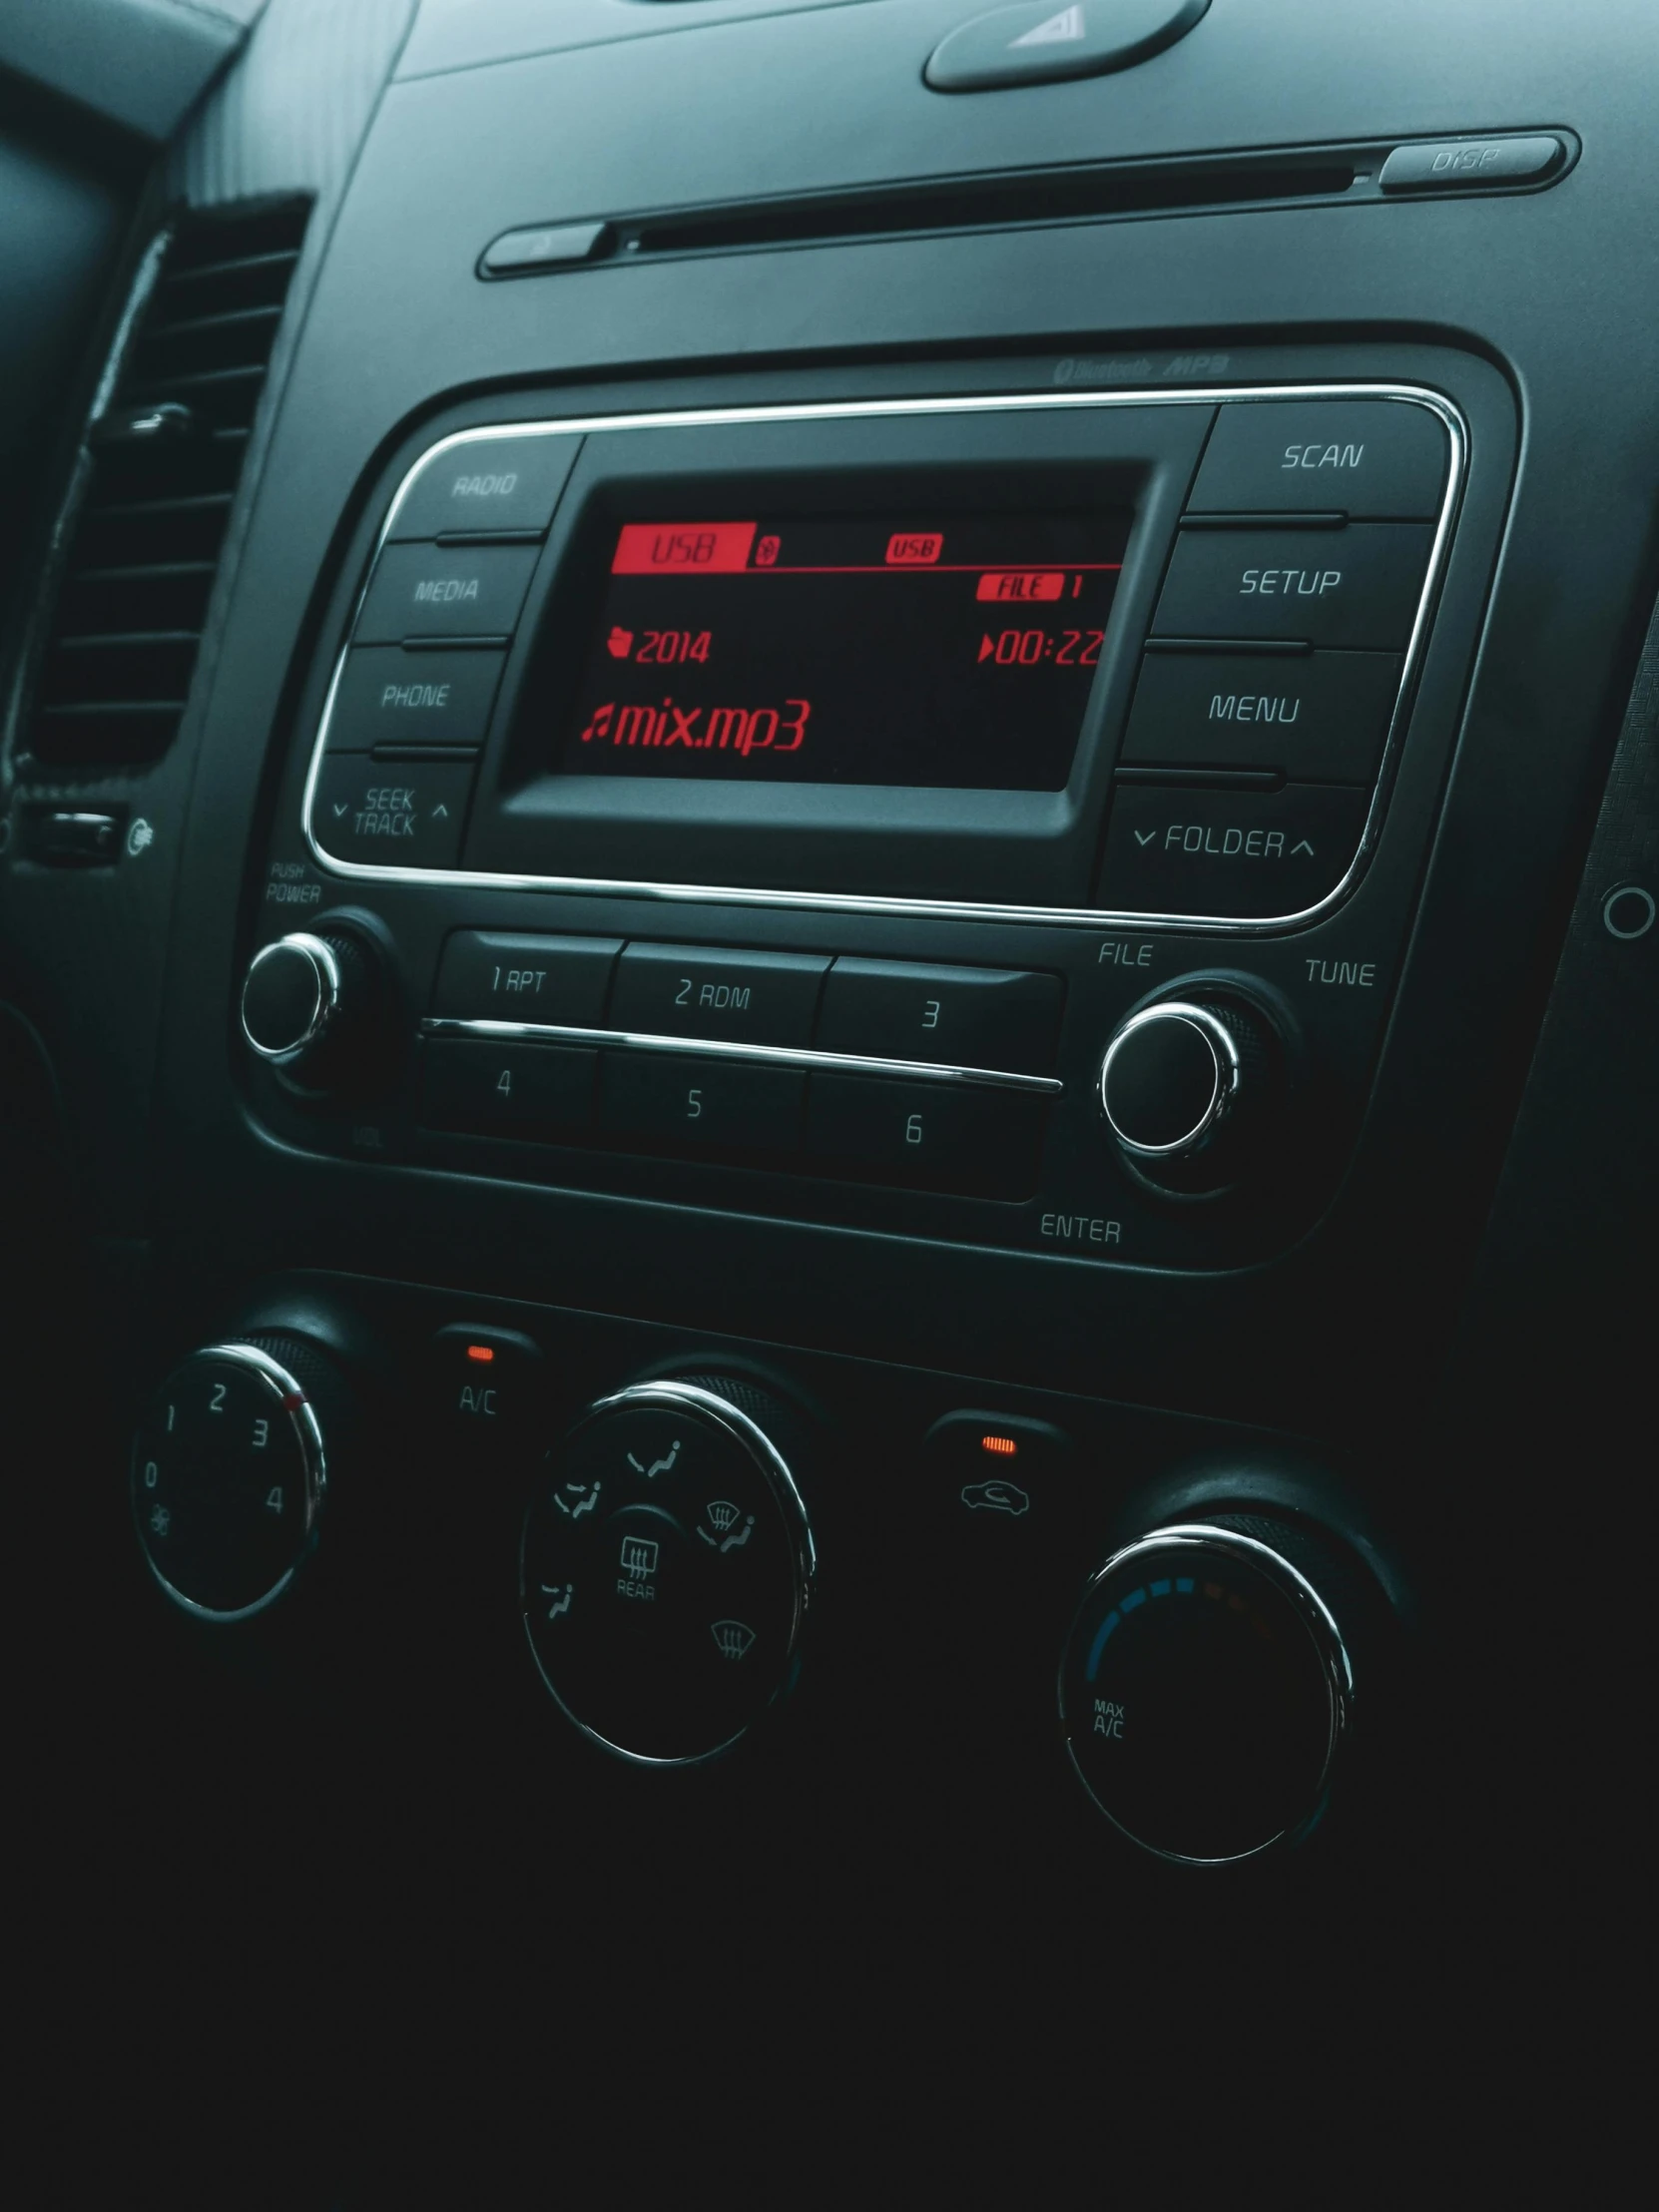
x=1022 y=584
x=914 y=548
x=742 y=730
x=670 y=548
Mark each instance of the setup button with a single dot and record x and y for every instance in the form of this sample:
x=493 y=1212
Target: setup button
x=1356 y=588
x=1234 y=855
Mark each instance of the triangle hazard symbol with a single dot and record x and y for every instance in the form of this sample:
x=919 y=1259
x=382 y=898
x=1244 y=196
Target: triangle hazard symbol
x=1059 y=30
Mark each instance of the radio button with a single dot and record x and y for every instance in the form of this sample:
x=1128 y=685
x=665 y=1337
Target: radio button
x=740 y=1106
x=405 y=815
x=486 y=486
x=948 y=1136
x=1236 y=854
x=686 y=991
x=489 y=978
x=963 y=1017
x=1308 y=715
x=388 y=696
x=1357 y=587
x=507 y=1090
x=445 y=591
x=1374 y=458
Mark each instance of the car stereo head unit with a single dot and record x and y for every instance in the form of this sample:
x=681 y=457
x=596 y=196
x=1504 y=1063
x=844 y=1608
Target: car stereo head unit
x=1068 y=654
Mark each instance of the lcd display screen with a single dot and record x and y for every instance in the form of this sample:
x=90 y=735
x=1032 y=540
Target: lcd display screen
x=951 y=652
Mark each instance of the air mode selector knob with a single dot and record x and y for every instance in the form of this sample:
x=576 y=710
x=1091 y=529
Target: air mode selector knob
x=1186 y=1083
x=667 y=1567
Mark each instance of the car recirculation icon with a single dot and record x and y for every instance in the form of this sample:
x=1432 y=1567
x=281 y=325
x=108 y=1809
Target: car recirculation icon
x=996 y=1498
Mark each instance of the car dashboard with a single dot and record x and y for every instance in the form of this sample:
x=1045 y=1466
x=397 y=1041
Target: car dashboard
x=827 y=930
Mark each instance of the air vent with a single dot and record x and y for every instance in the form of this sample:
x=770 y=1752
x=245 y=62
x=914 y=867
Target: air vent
x=165 y=457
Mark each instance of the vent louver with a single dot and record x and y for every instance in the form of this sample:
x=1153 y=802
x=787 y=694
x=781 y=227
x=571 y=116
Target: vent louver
x=165 y=457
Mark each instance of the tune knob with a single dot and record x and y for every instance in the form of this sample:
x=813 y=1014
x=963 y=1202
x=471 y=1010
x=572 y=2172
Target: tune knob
x=667 y=1568
x=309 y=1005
x=229 y=1473
x=1186 y=1083
x=1207 y=1688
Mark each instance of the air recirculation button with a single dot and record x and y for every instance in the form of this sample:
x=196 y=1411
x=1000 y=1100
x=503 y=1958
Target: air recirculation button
x=666 y=1570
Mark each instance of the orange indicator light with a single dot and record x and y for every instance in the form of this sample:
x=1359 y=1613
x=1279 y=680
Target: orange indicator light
x=483 y=1353
x=1005 y=1447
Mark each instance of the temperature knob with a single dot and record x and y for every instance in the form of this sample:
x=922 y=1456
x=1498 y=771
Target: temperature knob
x=229 y=1473
x=667 y=1568
x=1207 y=1689
x=1185 y=1085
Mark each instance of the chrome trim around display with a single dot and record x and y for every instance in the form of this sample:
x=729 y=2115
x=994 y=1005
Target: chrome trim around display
x=780 y=1480
x=776 y=1055
x=1328 y=1646
x=296 y=1407
x=1224 y=1091
x=356 y=872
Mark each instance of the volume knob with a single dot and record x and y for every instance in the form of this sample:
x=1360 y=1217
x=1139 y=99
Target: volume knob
x=304 y=1001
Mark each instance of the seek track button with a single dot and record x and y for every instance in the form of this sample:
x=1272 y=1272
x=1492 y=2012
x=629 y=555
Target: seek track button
x=404 y=816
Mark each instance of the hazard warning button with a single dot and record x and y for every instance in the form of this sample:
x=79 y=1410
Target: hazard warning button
x=1044 y=42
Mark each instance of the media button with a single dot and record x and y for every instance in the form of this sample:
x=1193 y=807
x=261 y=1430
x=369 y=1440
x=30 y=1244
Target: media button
x=486 y=485
x=963 y=1017
x=946 y=1136
x=408 y=816
x=490 y=976
x=1377 y=458
x=687 y=990
x=659 y=1098
x=1237 y=855
x=1357 y=587
x=445 y=591
x=1307 y=714
x=388 y=696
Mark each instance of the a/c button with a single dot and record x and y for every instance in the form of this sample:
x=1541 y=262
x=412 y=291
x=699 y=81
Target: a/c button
x=405 y=815
x=1237 y=854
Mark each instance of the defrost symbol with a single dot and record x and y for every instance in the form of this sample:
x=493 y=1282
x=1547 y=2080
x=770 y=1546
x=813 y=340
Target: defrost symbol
x=733 y=1638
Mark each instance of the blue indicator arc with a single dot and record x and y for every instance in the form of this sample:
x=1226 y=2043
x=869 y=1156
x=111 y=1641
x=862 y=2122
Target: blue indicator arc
x=1180 y=1585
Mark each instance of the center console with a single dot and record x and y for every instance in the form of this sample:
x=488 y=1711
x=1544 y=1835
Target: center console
x=993 y=816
